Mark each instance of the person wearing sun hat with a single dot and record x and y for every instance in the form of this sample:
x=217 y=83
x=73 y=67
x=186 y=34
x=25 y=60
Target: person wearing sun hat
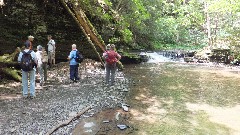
x=30 y=39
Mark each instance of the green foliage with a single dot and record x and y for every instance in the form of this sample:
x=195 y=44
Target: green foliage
x=133 y=24
x=127 y=35
x=114 y=40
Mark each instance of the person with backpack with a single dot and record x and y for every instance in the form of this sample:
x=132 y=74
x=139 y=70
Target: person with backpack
x=75 y=59
x=51 y=51
x=27 y=59
x=111 y=58
x=39 y=56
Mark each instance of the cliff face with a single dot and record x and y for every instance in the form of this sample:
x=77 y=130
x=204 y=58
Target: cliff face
x=20 y=18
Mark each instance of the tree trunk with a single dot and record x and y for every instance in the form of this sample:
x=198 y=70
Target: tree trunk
x=84 y=30
x=208 y=24
x=216 y=28
x=88 y=27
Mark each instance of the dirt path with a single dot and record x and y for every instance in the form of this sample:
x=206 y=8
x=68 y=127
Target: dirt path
x=179 y=99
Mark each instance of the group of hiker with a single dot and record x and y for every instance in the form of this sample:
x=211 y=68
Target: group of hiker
x=31 y=61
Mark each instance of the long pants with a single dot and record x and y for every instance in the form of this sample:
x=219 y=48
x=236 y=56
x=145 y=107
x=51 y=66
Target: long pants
x=40 y=71
x=51 y=56
x=110 y=69
x=74 y=72
x=25 y=82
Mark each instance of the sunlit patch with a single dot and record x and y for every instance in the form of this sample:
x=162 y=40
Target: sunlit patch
x=223 y=115
x=220 y=72
x=140 y=116
x=153 y=113
x=11 y=85
x=9 y=97
x=140 y=97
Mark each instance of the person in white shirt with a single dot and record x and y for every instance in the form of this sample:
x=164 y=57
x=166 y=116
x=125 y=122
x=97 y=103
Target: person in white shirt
x=39 y=57
x=51 y=51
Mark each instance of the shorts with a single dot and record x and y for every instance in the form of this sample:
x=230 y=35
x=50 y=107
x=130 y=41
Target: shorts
x=50 y=55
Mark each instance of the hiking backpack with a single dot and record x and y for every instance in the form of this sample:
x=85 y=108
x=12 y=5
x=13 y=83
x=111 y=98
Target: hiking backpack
x=27 y=62
x=111 y=57
x=79 y=57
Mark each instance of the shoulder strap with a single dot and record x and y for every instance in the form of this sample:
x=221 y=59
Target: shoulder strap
x=23 y=52
x=30 y=51
x=50 y=42
x=75 y=54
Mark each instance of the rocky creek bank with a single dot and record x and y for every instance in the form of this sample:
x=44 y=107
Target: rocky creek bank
x=60 y=99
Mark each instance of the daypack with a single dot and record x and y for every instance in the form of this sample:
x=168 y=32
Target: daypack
x=111 y=57
x=79 y=57
x=27 y=63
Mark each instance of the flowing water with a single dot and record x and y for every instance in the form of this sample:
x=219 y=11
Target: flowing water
x=176 y=98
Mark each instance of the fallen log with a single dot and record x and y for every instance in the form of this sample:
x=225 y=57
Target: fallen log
x=9 y=66
x=10 y=73
x=66 y=122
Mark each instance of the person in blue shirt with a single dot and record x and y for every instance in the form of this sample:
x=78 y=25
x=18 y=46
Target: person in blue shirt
x=73 y=64
x=31 y=73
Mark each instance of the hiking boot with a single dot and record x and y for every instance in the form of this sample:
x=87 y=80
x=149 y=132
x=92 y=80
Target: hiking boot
x=72 y=81
x=25 y=96
x=77 y=79
x=32 y=97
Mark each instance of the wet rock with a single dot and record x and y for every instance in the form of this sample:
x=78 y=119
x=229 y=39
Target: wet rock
x=125 y=107
x=122 y=127
x=106 y=121
x=117 y=116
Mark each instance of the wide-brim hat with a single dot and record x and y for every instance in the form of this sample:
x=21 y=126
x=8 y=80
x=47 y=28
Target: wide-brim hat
x=30 y=36
x=112 y=46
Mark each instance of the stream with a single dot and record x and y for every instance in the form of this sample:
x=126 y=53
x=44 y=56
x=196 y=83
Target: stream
x=171 y=97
